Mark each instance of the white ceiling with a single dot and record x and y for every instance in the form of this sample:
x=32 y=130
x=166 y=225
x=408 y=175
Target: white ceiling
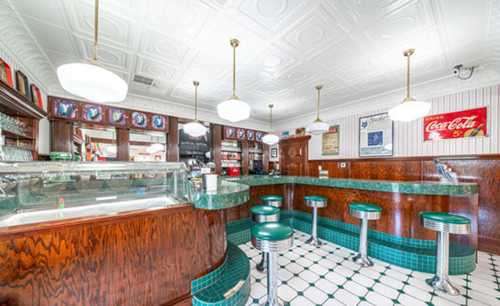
x=353 y=47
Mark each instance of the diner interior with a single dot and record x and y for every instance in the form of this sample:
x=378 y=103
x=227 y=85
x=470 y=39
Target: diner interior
x=249 y=152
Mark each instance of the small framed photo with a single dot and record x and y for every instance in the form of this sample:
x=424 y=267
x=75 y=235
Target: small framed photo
x=376 y=134
x=274 y=152
x=22 y=84
x=6 y=73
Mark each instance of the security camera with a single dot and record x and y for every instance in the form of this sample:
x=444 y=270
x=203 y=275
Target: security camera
x=462 y=72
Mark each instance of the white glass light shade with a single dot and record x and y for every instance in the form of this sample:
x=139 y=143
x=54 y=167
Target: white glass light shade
x=317 y=127
x=233 y=110
x=409 y=111
x=194 y=129
x=270 y=139
x=92 y=82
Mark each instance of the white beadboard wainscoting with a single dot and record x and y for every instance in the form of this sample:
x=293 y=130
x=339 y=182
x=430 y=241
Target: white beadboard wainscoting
x=408 y=137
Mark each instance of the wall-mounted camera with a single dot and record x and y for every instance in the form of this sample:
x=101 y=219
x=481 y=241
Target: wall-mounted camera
x=462 y=72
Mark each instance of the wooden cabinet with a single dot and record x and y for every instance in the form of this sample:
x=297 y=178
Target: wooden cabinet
x=294 y=155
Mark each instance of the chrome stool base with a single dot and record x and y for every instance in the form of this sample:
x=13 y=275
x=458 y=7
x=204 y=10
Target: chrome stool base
x=314 y=241
x=262 y=265
x=363 y=261
x=443 y=285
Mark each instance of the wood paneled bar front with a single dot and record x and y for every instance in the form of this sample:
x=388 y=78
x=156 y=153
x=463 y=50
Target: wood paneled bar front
x=135 y=258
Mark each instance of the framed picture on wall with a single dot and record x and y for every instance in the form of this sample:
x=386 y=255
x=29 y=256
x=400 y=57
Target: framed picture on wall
x=274 y=152
x=376 y=135
x=36 y=96
x=5 y=73
x=331 y=141
x=22 y=84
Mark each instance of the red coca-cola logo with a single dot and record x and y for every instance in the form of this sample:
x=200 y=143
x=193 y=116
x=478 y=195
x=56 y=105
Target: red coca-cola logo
x=468 y=123
x=455 y=124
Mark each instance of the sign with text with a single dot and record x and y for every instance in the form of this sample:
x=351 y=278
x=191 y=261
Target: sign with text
x=468 y=123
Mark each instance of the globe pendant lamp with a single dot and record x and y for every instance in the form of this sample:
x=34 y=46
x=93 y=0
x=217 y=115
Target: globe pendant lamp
x=410 y=109
x=317 y=127
x=233 y=109
x=270 y=139
x=195 y=128
x=90 y=81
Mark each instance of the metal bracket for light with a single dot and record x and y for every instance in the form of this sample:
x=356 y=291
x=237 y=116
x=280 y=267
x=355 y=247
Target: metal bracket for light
x=317 y=127
x=410 y=109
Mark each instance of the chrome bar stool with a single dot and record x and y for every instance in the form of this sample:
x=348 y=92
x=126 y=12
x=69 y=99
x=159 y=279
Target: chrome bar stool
x=272 y=238
x=272 y=200
x=263 y=214
x=444 y=224
x=315 y=202
x=364 y=212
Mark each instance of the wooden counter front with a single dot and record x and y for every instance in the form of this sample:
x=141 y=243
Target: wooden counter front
x=137 y=258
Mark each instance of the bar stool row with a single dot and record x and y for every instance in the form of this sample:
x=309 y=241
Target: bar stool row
x=271 y=237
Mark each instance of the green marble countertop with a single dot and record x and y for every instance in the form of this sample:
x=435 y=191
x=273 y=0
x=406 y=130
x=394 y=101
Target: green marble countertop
x=234 y=191
x=228 y=194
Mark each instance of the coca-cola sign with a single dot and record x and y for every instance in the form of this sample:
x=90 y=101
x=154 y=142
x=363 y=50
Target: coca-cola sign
x=469 y=123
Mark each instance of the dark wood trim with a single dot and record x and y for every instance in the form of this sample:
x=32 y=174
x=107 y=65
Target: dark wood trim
x=122 y=144
x=412 y=158
x=13 y=103
x=245 y=157
x=173 y=140
x=61 y=133
x=216 y=146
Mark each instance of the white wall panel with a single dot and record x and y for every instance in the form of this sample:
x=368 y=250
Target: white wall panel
x=408 y=137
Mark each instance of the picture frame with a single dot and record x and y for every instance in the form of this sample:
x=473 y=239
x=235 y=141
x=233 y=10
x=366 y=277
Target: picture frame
x=92 y=113
x=36 y=96
x=6 y=73
x=22 y=85
x=117 y=117
x=274 y=152
x=376 y=135
x=330 y=143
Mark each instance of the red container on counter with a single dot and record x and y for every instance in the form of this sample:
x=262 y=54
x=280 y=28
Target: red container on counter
x=233 y=171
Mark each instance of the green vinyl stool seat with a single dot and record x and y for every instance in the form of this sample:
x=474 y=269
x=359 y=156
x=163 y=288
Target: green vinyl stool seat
x=263 y=214
x=364 y=212
x=271 y=238
x=272 y=200
x=444 y=224
x=315 y=202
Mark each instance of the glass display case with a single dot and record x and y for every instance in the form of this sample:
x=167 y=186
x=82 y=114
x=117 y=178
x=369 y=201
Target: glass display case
x=35 y=192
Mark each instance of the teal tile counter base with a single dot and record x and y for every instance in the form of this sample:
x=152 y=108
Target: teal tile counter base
x=418 y=255
x=228 y=285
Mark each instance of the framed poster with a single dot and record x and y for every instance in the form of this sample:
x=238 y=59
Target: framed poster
x=117 y=117
x=229 y=132
x=241 y=134
x=6 y=73
x=65 y=109
x=468 y=123
x=22 y=84
x=274 y=152
x=331 y=141
x=376 y=135
x=158 y=122
x=92 y=113
x=36 y=96
x=139 y=120
x=250 y=135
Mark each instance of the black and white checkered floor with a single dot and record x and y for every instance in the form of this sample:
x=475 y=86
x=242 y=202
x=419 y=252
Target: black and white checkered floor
x=327 y=276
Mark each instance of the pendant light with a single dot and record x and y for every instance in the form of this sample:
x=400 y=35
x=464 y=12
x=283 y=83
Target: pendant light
x=195 y=128
x=270 y=139
x=90 y=81
x=410 y=109
x=233 y=109
x=317 y=127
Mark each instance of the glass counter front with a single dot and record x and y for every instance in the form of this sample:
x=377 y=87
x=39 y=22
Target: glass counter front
x=35 y=192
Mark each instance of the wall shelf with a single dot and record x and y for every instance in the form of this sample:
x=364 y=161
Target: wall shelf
x=14 y=104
